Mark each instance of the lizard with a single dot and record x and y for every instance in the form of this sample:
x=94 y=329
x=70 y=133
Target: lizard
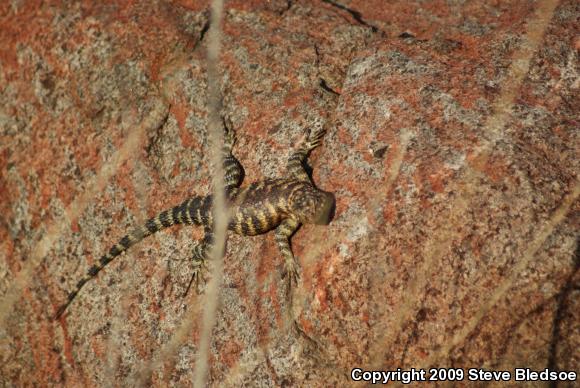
x=282 y=204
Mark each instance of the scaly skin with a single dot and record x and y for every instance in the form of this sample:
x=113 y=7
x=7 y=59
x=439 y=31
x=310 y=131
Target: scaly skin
x=280 y=204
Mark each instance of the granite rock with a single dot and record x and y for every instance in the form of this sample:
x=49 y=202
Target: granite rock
x=451 y=147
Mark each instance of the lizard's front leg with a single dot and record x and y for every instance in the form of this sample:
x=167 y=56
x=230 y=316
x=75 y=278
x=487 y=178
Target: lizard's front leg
x=283 y=233
x=295 y=162
x=233 y=170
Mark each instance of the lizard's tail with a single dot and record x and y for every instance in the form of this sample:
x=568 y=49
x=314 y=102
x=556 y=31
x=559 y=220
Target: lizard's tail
x=185 y=213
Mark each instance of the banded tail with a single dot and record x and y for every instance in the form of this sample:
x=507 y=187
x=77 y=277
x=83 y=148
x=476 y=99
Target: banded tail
x=194 y=211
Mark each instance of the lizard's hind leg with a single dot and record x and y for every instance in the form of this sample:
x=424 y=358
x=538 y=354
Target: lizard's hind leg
x=283 y=233
x=201 y=252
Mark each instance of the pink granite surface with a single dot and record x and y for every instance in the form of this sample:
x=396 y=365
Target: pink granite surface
x=452 y=149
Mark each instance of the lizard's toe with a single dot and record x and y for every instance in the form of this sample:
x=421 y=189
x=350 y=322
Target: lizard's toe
x=291 y=271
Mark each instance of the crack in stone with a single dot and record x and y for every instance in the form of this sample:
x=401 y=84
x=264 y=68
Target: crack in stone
x=354 y=13
x=203 y=31
x=325 y=86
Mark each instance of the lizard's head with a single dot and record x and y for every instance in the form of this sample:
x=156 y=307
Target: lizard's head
x=312 y=206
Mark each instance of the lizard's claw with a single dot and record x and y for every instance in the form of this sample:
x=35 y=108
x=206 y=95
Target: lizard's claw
x=197 y=278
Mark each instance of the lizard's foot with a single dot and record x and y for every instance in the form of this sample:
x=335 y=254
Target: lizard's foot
x=314 y=138
x=291 y=271
x=199 y=265
x=303 y=140
x=196 y=277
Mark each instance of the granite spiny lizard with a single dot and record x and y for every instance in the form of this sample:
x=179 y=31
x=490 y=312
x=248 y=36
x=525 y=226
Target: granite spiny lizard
x=281 y=204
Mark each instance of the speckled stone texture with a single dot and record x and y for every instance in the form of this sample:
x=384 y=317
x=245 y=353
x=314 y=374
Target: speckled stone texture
x=452 y=149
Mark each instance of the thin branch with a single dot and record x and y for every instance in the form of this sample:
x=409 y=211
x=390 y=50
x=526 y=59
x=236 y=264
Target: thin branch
x=220 y=215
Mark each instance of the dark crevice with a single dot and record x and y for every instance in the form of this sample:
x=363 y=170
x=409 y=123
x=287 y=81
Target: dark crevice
x=195 y=36
x=325 y=86
x=203 y=31
x=354 y=13
x=406 y=35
